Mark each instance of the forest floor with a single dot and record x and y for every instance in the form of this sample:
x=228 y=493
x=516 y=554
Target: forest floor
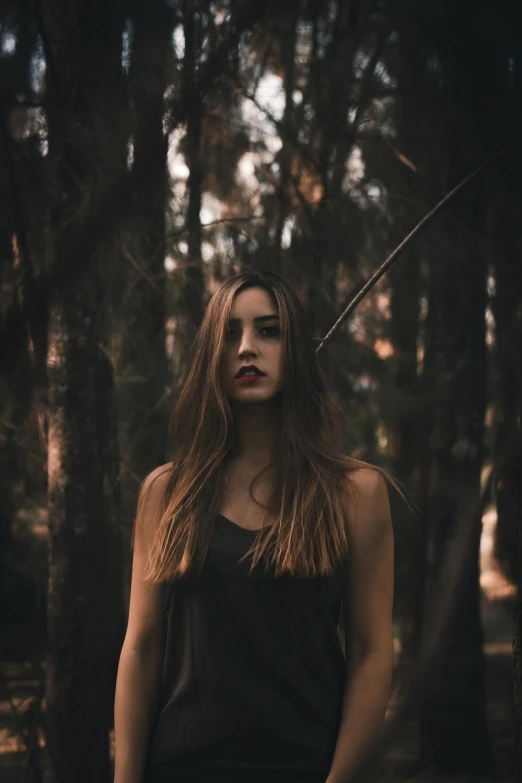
x=19 y=682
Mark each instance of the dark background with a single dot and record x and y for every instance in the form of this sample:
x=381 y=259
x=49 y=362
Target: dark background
x=148 y=150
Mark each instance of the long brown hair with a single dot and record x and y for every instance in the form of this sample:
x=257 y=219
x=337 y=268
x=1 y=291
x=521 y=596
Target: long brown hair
x=309 y=493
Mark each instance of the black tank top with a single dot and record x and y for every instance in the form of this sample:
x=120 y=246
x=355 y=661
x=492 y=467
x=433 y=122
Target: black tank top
x=254 y=671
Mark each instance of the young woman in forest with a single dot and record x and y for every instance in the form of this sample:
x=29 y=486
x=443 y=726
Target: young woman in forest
x=249 y=548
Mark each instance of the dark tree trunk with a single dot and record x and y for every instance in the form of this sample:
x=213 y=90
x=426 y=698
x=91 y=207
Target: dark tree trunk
x=85 y=611
x=517 y=650
x=143 y=365
x=507 y=310
x=331 y=83
x=84 y=579
x=413 y=618
x=454 y=736
x=405 y=275
x=189 y=279
x=286 y=154
x=413 y=167
x=28 y=380
x=193 y=104
x=405 y=310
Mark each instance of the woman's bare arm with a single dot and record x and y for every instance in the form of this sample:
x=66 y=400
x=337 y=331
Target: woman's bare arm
x=368 y=626
x=141 y=659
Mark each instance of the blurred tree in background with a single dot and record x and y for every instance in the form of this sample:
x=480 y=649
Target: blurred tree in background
x=150 y=151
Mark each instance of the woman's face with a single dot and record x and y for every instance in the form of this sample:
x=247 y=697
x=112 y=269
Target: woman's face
x=252 y=338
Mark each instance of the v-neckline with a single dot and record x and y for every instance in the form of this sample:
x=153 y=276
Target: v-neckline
x=250 y=531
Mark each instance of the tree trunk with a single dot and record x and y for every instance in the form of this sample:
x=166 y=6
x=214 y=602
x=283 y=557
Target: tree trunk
x=507 y=308
x=506 y=305
x=332 y=95
x=85 y=611
x=286 y=154
x=517 y=650
x=189 y=279
x=453 y=730
x=454 y=735
x=413 y=168
x=143 y=366
x=83 y=558
x=193 y=105
x=405 y=310
x=413 y=618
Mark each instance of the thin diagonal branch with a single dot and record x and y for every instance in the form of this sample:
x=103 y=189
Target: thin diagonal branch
x=130 y=258
x=398 y=250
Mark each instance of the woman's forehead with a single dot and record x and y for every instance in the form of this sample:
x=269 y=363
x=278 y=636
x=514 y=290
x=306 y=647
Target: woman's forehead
x=253 y=302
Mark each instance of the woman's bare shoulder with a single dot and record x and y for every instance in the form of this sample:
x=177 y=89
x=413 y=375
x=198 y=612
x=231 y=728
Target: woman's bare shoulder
x=155 y=482
x=161 y=472
x=367 y=480
x=370 y=500
x=151 y=497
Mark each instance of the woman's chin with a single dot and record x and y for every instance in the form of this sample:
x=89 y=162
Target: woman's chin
x=253 y=396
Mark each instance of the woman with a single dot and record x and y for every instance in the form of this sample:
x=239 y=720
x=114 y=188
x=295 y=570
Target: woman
x=246 y=546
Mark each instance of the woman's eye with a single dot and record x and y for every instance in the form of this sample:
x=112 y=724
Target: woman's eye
x=271 y=331
x=266 y=331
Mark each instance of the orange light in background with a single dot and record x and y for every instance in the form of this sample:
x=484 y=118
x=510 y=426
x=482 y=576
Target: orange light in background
x=383 y=348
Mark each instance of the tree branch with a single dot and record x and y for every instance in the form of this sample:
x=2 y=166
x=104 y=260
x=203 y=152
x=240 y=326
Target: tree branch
x=246 y=219
x=398 y=250
x=24 y=104
x=282 y=130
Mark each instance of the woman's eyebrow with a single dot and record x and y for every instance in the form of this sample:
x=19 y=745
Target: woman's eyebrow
x=256 y=320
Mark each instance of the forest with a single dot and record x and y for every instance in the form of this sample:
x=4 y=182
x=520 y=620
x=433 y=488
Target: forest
x=149 y=151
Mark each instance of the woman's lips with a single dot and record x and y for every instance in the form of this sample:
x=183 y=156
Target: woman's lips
x=249 y=378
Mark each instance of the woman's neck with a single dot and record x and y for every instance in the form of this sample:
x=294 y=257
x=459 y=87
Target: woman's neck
x=256 y=430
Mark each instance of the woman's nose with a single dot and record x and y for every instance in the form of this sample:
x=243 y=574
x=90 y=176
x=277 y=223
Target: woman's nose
x=247 y=342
